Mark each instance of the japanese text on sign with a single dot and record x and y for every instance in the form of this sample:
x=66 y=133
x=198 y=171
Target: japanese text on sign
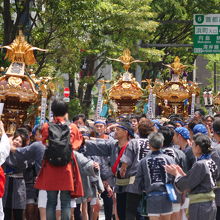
x=207 y=33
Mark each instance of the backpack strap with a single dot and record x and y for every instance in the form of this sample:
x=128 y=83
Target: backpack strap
x=66 y=123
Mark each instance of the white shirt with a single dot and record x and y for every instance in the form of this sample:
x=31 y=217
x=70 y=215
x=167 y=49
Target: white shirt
x=4 y=148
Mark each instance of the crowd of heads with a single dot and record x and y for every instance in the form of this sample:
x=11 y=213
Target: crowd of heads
x=132 y=125
x=163 y=132
x=174 y=130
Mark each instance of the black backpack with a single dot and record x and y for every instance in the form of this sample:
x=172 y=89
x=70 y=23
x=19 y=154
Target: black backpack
x=59 y=150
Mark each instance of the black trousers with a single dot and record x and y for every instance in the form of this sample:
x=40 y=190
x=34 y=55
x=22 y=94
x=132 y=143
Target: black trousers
x=121 y=205
x=77 y=212
x=9 y=212
x=132 y=203
x=127 y=206
x=108 y=205
x=17 y=214
x=218 y=213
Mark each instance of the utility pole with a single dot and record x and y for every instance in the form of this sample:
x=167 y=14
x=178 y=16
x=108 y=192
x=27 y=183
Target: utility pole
x=166 y=45
x=215 y=77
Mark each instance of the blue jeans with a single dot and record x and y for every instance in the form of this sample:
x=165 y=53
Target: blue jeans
x=65 y=199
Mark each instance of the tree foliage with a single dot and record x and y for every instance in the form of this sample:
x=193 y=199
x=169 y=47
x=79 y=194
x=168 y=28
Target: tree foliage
x=79 y=33
x=213 y=59
x=175 y=20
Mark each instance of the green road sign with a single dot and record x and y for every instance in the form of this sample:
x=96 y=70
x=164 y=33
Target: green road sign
x=206 y=37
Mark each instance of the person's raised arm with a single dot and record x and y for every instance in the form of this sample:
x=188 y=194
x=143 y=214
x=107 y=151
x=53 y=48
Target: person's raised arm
x=99 y=147
x=87 y=166
x=186 y=182
x=33 y=152
x=4 y=144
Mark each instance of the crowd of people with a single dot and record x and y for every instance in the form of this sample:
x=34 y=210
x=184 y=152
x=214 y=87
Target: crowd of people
x=138 y=168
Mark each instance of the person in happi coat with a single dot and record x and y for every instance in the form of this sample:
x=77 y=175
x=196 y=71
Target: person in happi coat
x=30 y=158
x=182 y=139
x=152 y=178
x=107 y=195
x=113 y=149
x=216 y=157
x=136 y=150
x=200 y=180
x=180 y=159
x=14 y=199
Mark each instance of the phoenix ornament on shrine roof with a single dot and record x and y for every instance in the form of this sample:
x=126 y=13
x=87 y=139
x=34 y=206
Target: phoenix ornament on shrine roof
x=126 y=59
x=176 y=66
x=21 y=51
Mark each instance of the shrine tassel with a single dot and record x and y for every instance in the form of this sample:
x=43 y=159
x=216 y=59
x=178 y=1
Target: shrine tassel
x=99 y=104
x=150 y=105
x=154 y=106
x=43 y=109
x=50 y=113
x=193 y=105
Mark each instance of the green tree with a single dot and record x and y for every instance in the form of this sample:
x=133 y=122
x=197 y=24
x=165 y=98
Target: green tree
x=213 y=59
x=113 y=26
x=74 y=31
x=78 y=32
x=175 y=20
